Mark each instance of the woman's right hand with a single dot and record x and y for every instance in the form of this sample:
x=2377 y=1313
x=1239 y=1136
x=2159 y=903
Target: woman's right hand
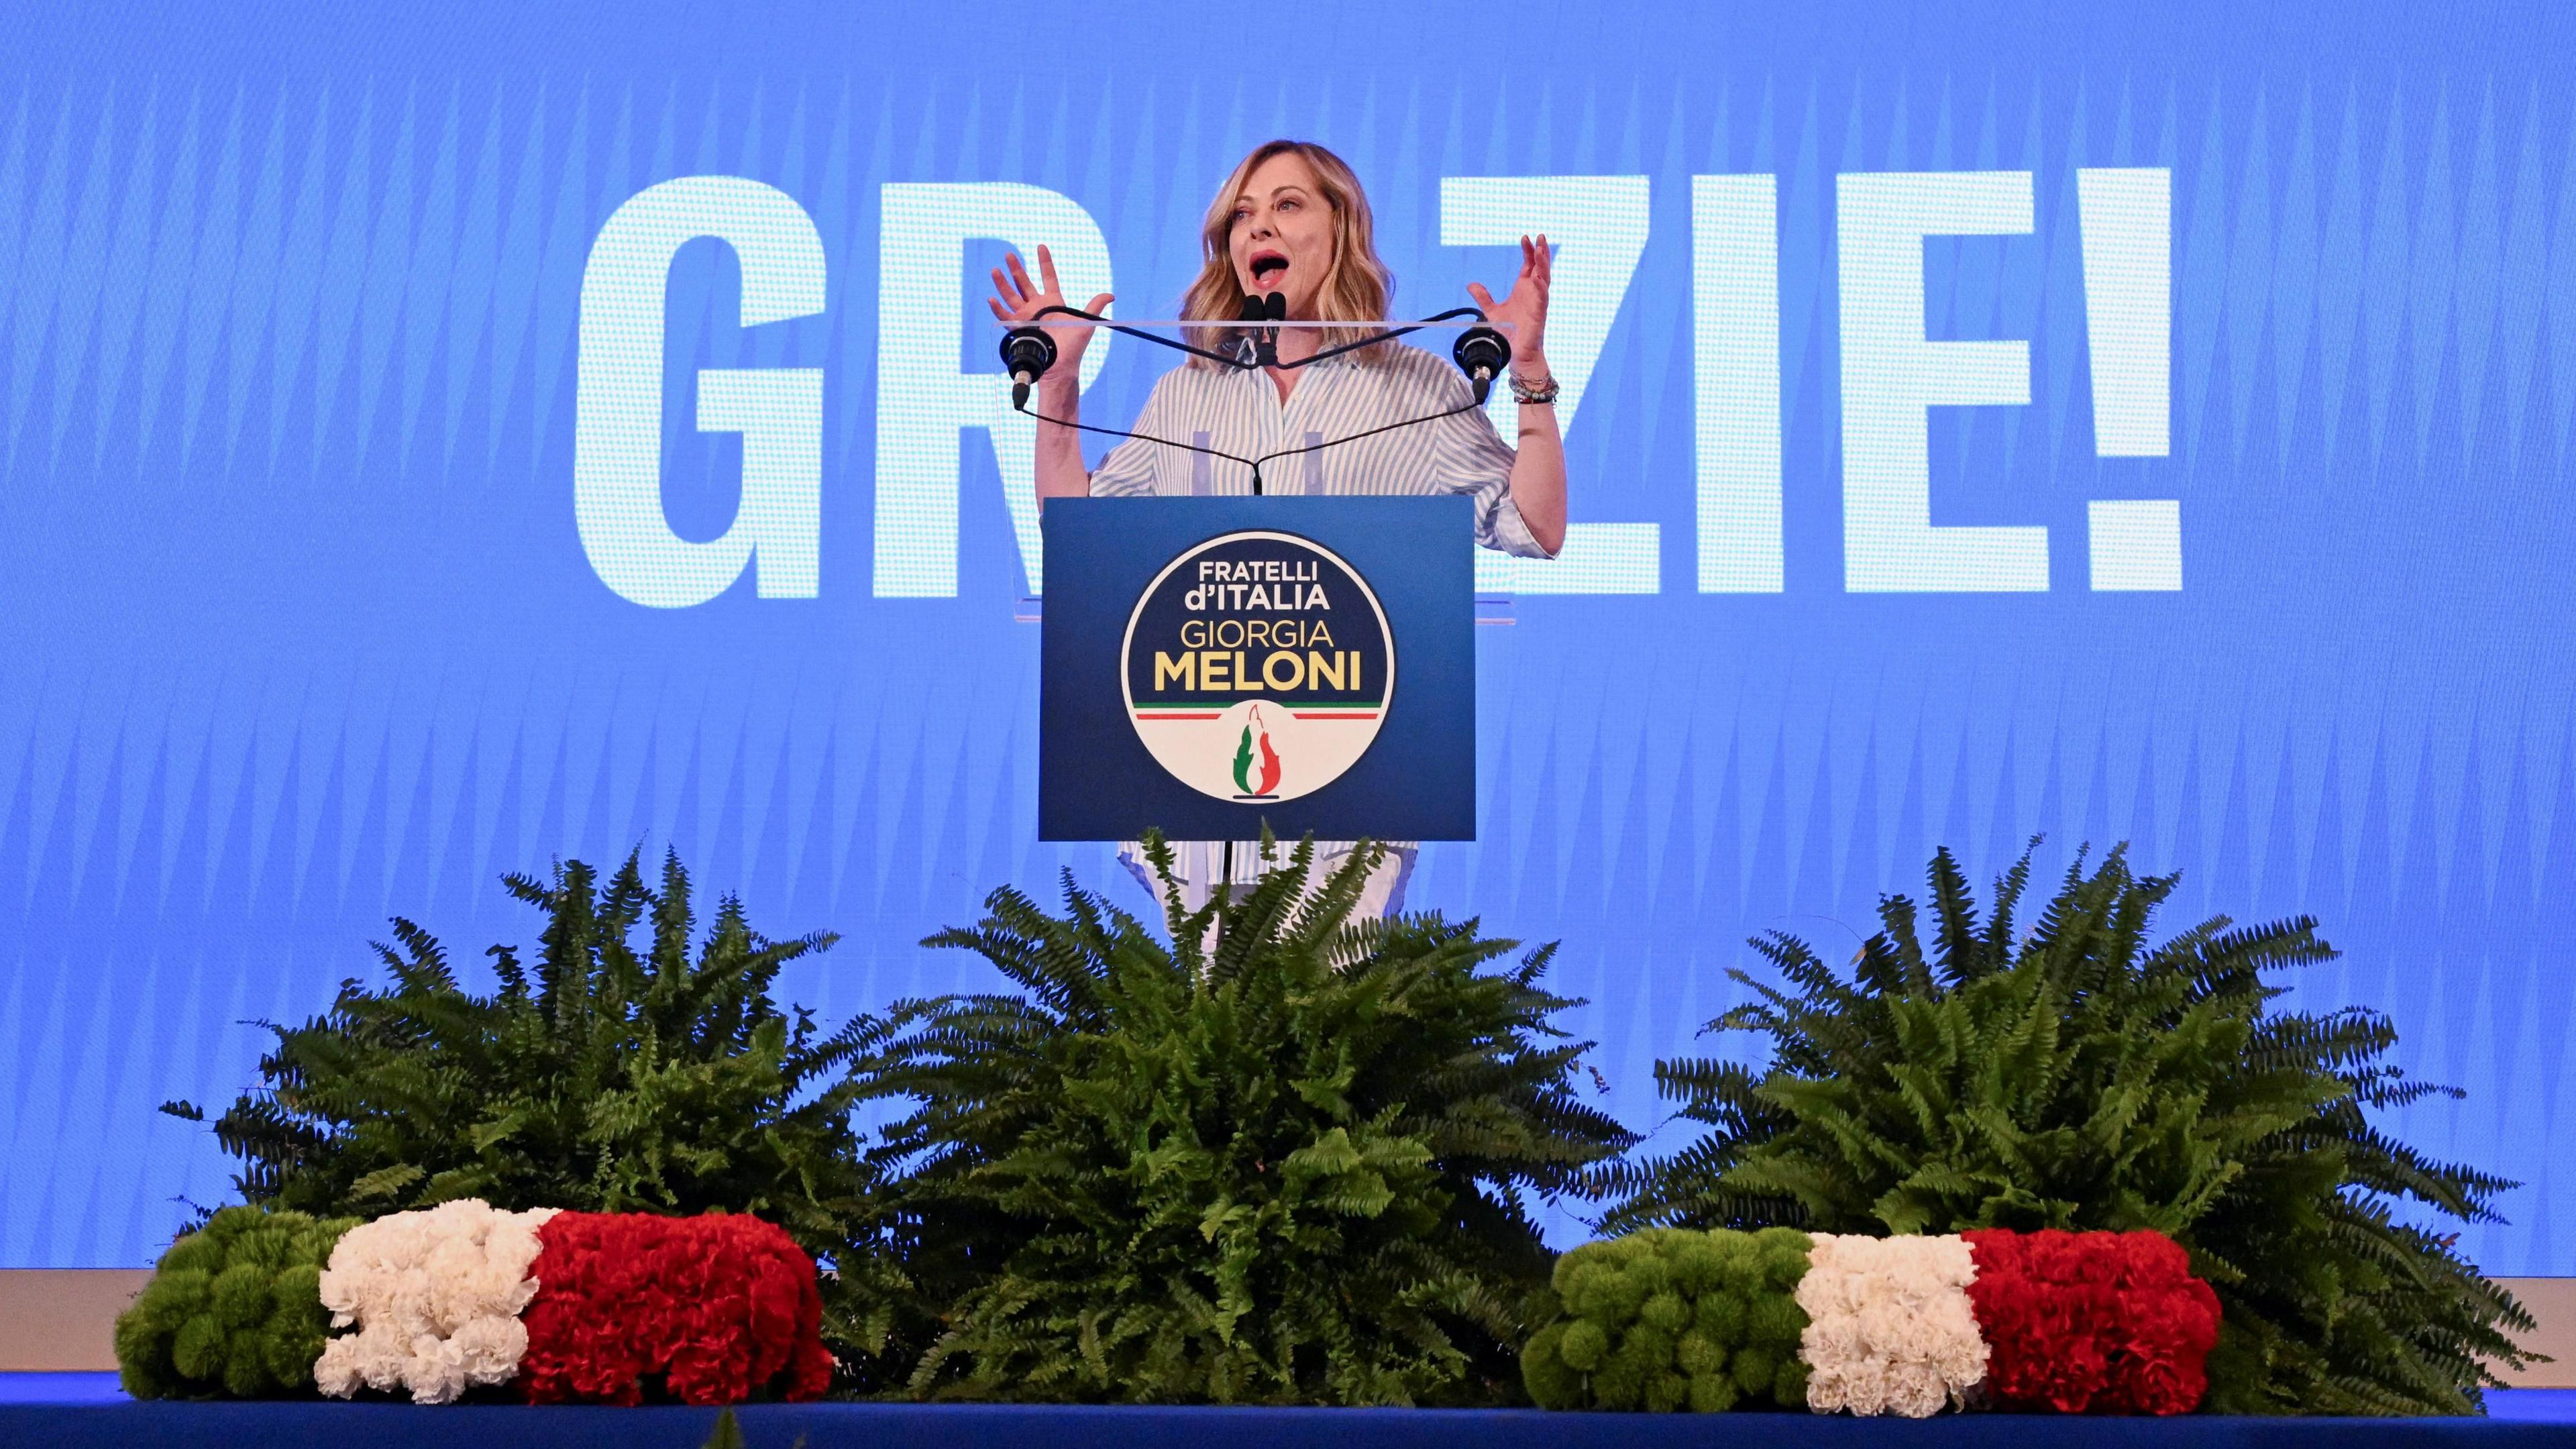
x=1016 y=300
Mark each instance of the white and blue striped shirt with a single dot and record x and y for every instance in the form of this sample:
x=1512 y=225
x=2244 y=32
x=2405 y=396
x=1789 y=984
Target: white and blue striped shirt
x=1241 y=413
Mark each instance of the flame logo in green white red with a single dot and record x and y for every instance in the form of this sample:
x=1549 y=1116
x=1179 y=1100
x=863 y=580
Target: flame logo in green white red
x=1248 y=769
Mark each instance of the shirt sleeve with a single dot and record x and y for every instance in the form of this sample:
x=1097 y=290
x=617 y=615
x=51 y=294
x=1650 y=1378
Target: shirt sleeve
x=1467 y=457
x=1128 y=470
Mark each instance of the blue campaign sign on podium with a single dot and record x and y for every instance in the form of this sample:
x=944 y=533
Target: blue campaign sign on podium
x=1212 y=666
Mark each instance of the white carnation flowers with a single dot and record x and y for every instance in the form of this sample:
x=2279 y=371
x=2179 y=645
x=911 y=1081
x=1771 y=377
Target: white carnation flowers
x=1890 y=1328
x=435 y=1297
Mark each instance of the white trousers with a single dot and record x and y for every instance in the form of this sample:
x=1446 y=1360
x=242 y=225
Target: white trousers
x=1200 y=864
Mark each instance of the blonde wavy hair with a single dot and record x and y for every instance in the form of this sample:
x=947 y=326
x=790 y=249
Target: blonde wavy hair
x=1358 y=286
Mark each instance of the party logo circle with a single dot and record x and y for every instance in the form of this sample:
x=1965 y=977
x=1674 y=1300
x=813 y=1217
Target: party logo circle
x=1258 y=666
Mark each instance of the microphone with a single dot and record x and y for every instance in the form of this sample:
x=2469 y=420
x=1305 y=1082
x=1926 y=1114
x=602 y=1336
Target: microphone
x=1027 y=353
x=1482 y=353
x=1265 y=340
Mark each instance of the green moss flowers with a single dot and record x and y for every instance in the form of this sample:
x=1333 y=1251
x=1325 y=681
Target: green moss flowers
x=234 y=1309
x=1670 y=1318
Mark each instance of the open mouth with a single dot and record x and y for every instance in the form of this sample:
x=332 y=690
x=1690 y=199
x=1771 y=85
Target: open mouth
x=1267 y=266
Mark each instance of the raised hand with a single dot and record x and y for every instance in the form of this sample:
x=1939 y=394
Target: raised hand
x=1525 y=309
x=1016 y=299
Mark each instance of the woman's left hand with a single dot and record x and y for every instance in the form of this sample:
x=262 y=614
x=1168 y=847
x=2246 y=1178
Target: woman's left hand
x=1525 y=310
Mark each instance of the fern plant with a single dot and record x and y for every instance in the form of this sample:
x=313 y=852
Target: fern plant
x=607 y=1075
x=2081 y=1076
x=1285 y=1157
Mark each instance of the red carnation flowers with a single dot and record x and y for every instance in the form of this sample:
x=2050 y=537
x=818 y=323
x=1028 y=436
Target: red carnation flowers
x=2100 y=1323
x=721 y=1306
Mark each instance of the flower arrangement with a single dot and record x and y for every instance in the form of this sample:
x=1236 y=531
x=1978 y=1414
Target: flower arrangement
x=231 y=1310
x=2092 y=1322
x=1673 y=1318
x=1670 y=1319
x=1889 y=1328
x=435 y=1296
x=442 y=1301
x=720 y=1306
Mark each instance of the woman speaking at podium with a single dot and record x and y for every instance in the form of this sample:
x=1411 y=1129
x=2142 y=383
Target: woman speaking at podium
x=1292 y=220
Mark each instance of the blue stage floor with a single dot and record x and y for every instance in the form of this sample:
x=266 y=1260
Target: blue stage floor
x=75 y=1411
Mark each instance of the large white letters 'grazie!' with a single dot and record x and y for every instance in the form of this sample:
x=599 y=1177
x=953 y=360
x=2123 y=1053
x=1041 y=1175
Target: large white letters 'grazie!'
x=1892 y=373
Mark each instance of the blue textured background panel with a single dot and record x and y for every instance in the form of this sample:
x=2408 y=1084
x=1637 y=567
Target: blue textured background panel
x=299 y=628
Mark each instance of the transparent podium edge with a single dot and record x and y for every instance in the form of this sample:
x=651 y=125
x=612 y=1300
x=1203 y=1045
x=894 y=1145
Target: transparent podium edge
x=1231 y=324
x=1490 y=609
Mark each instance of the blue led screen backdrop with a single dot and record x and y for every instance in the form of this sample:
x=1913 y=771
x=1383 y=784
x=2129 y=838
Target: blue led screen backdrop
x=439 y=442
